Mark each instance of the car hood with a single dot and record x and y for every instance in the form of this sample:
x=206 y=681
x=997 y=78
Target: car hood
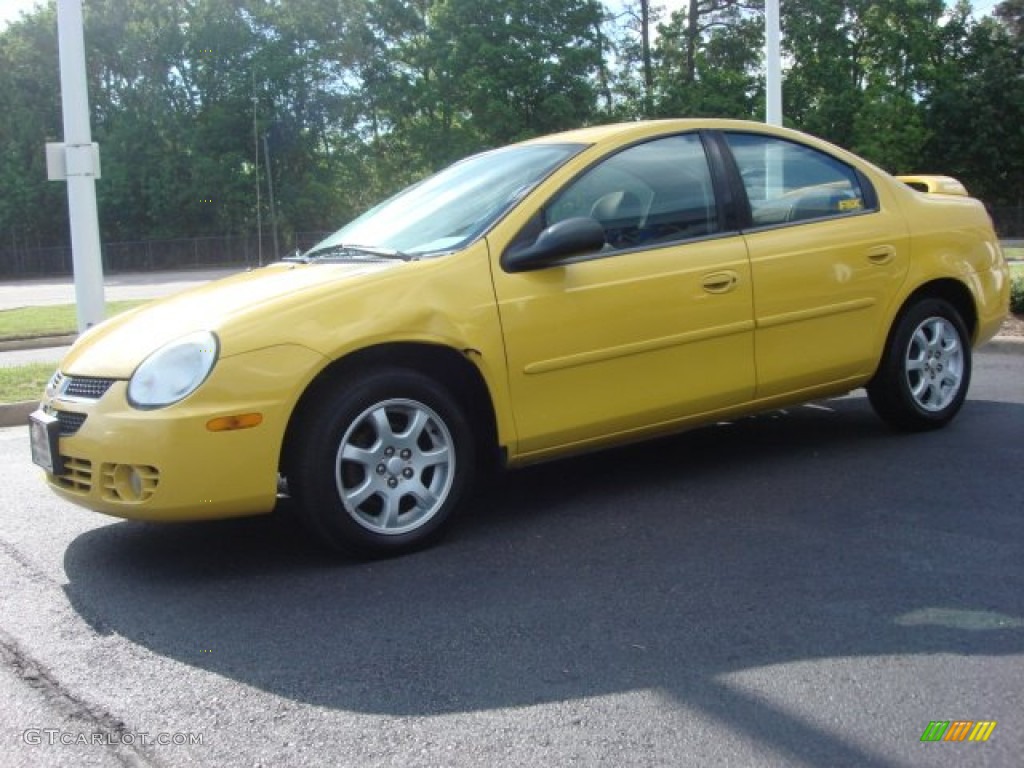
x=117 y=346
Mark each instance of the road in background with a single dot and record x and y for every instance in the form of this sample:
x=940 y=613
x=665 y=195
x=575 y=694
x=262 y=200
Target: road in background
x=135 y=285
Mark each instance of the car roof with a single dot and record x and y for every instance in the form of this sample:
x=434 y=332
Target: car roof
x=643 y=128
x=622 y=134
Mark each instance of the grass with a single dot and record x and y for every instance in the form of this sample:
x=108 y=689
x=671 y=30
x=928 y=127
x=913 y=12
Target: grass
x=1017 y=288
x=56 y=320
x=24 y=382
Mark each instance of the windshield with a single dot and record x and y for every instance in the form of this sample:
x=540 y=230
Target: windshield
x=448 y=210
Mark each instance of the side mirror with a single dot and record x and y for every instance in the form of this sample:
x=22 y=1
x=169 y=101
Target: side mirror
x=572 y=237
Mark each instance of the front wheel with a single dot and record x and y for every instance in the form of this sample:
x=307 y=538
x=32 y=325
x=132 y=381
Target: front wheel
x=925 y=370
x=381 y=465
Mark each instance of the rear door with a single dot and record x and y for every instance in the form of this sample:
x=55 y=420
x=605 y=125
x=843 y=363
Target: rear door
x=825 y=260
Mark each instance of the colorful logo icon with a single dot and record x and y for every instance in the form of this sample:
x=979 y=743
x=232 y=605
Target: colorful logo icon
x=958 y=730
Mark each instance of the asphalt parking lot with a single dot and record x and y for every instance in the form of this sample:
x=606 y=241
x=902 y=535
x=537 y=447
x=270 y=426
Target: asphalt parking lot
x=801 y=588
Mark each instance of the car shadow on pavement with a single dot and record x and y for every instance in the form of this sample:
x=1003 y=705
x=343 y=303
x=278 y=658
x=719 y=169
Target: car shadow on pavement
x=809 y=534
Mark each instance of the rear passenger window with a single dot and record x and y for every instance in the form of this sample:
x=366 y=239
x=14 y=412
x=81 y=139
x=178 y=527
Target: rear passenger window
x=787 y=182
x=650 y=194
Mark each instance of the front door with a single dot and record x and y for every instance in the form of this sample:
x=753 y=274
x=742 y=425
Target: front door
x=656 y=327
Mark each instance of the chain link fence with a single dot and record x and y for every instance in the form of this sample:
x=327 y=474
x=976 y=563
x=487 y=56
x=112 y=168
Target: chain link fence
x=153 y=255
x=244 y=251
x=1009 y=222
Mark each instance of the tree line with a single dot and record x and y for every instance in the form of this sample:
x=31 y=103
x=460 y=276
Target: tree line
x=334 y=104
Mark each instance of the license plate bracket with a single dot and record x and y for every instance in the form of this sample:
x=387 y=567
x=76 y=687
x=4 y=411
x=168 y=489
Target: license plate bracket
x=44 y=438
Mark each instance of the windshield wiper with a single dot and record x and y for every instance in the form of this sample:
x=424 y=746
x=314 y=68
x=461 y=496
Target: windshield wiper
x=298 y=256
x=350 y=251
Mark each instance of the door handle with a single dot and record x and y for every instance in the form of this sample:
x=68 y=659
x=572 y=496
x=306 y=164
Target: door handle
x=881 y=254
x=720 y=282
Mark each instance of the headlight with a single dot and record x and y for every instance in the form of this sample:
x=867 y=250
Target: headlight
x=174 y=371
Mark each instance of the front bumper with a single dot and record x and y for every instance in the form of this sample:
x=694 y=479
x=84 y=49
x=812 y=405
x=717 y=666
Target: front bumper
x=166 y=464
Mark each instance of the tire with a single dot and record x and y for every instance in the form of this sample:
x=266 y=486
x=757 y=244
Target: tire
x=926 y=368
x=380 y=463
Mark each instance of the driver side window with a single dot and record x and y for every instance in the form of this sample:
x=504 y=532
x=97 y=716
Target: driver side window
x=647 y=195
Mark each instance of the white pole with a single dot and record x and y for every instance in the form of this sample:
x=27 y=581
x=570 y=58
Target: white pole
x=81 y=167
x=256 y=144
x=773 y=63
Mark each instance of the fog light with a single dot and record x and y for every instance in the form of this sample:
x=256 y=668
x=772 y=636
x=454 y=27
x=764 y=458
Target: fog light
x=127 y=482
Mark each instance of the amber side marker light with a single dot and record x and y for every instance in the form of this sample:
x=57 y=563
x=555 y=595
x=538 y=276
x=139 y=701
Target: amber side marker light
x=229 y=423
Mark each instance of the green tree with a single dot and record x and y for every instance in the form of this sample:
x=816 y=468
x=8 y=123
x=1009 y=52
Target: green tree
x=709 y=60
x=976 y=107
x=33 y=211
x=705 y=60
x=1010 y=13
x=356 y=98
x=519 y=67
x=305 y=66
x=445 y=78
x=859 y=72
x=171 y=94
x=629 y=84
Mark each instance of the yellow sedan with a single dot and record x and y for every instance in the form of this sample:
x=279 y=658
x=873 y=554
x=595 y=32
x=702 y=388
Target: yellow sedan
x=559 y=295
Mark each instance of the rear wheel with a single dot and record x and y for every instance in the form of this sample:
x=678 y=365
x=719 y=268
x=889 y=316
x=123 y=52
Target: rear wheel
x=926 y=369
x=379 y=467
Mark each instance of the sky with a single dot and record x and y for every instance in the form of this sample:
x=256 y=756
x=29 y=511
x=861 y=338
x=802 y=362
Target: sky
x=10 y=10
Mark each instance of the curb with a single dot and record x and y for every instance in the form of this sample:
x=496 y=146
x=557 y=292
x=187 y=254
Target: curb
x=37 y=342
x=1006 y=345
x=16 y=414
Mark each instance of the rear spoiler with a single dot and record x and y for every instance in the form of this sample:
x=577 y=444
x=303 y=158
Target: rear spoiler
x=936 y=185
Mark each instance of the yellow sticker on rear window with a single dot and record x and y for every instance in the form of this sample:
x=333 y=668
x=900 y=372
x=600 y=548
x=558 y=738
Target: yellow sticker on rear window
x=851 y=205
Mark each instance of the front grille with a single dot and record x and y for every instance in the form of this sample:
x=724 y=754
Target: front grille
x=77 y=477
x=86 y=387
x=70 y=423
